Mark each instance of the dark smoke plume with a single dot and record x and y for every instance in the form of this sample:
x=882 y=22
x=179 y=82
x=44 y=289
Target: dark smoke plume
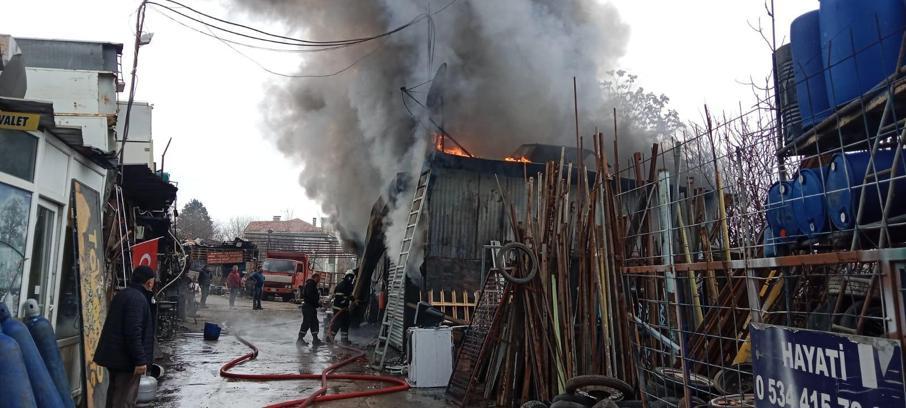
x=509 y=81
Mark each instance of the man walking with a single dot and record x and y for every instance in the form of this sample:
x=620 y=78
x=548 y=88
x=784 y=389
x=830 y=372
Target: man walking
x=342 y=299
x=311 y=301
x=257 y=288
x=204 y=281
x=126 y=346
x=234 y=283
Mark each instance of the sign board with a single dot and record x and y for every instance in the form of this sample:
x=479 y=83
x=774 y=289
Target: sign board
x=227 y=257
x=93 y=286
x=812 y=369
x=19 y=120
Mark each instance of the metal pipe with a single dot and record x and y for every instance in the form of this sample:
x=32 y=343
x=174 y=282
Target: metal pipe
x=164 y=156
x=656 y=334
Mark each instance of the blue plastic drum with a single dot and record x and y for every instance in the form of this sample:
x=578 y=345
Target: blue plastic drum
x=808 y=205
x=845 y=178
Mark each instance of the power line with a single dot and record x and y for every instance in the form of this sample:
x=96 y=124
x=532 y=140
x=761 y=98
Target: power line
x=309 y=45
x=357 y=60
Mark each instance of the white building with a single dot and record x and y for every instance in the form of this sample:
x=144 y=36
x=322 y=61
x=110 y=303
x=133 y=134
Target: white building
x=53 y=180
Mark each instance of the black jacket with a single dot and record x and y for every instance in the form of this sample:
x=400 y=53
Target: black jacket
x=342 y=294
x=127 y=340
x=310 y=294
x=204 y=277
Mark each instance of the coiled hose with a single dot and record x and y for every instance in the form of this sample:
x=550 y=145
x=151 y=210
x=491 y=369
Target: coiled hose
x=320 y=395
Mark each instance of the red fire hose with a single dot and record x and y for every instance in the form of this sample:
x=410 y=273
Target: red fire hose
x=320 y=395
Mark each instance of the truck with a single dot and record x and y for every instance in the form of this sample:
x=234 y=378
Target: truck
x=284 y=272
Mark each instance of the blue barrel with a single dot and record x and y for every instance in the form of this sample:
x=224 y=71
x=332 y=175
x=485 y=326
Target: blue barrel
x=808 y=70
x=779 y=212
x=42 y=385
x=15 y=389
x=860 y=43
x=211 y=331
x=844 y=186
x=808 y=205
x=42 y=332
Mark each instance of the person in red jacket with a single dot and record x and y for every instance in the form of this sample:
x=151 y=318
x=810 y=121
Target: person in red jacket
x=234 y=282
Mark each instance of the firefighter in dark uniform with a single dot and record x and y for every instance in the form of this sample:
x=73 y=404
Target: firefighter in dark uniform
x=342 y=299
x=311 y=301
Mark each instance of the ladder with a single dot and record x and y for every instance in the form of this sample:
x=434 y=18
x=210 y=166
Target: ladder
x=392 y=326
x=481 y=330
x=122 y=229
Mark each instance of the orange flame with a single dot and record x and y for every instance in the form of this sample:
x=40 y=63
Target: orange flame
x=521 y=159
x=439 y=145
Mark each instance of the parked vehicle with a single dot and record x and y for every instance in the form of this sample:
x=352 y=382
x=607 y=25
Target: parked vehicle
x=284 y=272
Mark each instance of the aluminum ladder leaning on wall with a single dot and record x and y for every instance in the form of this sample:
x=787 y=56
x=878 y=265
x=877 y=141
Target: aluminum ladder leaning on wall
x=392 y=326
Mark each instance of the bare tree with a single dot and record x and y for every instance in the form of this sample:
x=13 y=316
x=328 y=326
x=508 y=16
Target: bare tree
x=232 y=228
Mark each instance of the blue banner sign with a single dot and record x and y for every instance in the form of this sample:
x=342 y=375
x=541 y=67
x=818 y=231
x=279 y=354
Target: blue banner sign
x=800 y=368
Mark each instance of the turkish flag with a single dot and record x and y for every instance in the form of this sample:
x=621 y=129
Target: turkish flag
x=145 y=253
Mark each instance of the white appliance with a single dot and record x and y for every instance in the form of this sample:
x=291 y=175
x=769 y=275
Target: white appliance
x=430 y=357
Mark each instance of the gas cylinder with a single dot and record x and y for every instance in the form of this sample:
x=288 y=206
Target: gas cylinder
x=42 y=385
x=15 y=389
x=44 y=337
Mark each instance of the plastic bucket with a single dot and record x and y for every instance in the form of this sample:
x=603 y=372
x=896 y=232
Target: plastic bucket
x=211 y=331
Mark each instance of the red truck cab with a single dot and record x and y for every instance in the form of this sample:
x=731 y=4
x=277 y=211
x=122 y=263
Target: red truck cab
x=284 y=271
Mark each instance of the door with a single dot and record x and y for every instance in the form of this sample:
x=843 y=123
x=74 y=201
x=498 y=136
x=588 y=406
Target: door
x=43 y=271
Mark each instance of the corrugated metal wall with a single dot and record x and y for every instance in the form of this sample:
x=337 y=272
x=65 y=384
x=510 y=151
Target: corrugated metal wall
x=465 y=212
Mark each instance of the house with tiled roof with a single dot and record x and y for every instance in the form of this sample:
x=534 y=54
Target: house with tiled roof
x=320 y=243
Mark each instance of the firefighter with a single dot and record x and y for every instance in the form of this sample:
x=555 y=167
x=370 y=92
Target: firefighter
x=311 y=301
x=342 y=299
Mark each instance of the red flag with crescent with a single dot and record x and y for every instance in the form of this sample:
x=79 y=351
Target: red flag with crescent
x=145 y=253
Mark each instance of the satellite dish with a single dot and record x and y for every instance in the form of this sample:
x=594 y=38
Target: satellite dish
x=435 y=99
x=12 y=80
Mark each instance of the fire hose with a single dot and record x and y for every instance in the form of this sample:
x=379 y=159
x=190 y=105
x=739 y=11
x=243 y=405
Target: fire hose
x=320 y=395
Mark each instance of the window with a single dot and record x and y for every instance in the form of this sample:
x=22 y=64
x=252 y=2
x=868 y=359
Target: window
x=18 y=152
x=278 y=265
x=15 y=205
x=69 y=322
x=39 y=281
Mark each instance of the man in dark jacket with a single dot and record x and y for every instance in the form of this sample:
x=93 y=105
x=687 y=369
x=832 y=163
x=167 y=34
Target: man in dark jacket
x=257 y=288
x=311 y=301
x=204 y=281
x=126 y=346
x=342 y=299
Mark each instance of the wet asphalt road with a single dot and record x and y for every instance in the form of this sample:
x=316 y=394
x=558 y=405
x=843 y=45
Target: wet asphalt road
x=192 y=365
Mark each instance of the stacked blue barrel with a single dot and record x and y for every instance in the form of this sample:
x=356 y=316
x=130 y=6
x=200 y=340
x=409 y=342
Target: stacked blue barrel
x=841 y=51
x=30 y=362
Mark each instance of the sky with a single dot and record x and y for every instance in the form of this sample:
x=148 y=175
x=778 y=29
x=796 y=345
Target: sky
x=207 y=98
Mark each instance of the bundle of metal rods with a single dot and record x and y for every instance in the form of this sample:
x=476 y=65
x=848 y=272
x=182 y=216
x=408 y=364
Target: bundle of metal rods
x=569 y=319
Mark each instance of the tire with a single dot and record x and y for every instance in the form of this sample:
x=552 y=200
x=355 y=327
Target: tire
x=734 y=379
x=517 y=247
x=606 y=403
x=871 y=327
x=696 y=402
x=567 y=404
x=579 y=398
x=573 y=384
x=534 y=404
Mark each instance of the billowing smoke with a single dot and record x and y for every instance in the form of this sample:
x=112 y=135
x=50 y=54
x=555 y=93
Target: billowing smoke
x=509 y=81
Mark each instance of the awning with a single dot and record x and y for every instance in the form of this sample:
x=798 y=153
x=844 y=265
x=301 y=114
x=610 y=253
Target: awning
x=146 y=189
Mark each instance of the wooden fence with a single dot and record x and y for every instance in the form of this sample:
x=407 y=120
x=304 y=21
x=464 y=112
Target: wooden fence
x=456 y=304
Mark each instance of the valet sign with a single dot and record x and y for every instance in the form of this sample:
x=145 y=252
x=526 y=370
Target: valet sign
x=799 y=368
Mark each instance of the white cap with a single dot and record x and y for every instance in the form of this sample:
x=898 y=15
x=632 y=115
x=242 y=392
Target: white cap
x=350 y=273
